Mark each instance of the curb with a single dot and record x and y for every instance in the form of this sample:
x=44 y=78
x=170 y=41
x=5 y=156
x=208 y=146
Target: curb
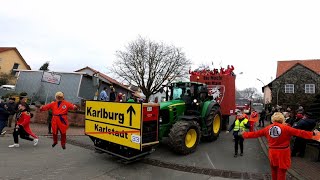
x=292 y=172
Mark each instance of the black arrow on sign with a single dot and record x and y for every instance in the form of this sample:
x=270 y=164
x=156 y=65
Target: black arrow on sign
x=131 y=110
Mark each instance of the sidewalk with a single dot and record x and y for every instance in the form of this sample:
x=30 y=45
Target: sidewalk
x=301 y=168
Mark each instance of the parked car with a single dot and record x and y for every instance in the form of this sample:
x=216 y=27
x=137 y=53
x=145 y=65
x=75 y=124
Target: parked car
x=8 y=87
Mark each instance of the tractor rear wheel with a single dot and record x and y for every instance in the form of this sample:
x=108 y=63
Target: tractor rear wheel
x=184 y=137
x=213 y=124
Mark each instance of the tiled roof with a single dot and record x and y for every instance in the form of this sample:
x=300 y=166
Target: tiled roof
x=3 y=49
x=113 y=81
x=284 y=66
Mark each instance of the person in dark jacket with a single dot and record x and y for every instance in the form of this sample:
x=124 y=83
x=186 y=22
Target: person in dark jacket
x=112 y=95
x=262 y=115
x=23 y=100
x=307 y=124
x=289 y=119
x=12 y=109
x=4 y=114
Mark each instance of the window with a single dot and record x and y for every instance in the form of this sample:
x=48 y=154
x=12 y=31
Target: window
x=289 y=88
x=15 y=66
x=309 y=88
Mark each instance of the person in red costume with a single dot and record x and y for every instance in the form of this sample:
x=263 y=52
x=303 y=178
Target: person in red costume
x=278 y=136
x=59 y=121
x=22 y=127
x=253 y=119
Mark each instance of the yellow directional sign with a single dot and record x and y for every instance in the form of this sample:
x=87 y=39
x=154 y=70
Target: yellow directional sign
x=119 y=123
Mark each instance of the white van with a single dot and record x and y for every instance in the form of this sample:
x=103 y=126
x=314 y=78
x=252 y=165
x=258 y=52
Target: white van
x=8 y=87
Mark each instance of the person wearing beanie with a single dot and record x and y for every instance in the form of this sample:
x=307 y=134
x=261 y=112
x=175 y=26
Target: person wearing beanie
x=59 y=121
x=278 y=136
x=307 y=123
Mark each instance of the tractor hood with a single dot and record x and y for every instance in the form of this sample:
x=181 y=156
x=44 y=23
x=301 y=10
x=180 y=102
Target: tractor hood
x=165 y=105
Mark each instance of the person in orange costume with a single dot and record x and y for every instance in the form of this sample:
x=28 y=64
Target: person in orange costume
x=253 y=119
x=59 y=121
x=278 y=136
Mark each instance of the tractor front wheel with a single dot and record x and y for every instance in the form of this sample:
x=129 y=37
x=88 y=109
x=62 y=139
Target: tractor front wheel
x=184 y=137
x=213 y=123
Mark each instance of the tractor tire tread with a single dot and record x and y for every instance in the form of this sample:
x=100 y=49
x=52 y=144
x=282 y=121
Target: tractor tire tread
x=209 y=124
x=177 y=136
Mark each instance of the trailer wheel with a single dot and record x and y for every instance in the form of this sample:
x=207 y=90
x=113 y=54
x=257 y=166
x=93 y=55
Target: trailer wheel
x=213 y=124
x=184 y=137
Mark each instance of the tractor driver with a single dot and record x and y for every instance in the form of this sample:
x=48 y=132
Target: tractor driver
x=187 y=99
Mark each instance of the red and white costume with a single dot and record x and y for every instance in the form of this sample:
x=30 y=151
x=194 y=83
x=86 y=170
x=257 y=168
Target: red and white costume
x=278 y=136
x=23 y=119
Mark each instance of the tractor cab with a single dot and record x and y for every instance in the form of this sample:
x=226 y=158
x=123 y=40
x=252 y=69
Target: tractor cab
x=187 y=115
x=193 y=94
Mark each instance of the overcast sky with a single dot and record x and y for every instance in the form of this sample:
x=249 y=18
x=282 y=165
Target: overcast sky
x=252 y=35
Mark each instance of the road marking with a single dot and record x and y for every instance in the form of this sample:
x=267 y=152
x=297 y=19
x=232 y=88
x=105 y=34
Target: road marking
x=210 y=161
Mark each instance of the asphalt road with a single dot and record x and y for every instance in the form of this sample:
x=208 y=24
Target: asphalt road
x=79 y=162
x=44 y=162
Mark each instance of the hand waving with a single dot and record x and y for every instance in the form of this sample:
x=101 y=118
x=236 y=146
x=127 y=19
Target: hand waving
x=317 y=135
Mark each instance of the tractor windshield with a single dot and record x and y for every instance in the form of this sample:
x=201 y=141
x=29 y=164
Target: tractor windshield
x=179 y=92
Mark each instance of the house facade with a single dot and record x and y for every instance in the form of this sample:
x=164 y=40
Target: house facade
x=296 y=84
x=106 y=81
x=267 y=95
x=11 y=59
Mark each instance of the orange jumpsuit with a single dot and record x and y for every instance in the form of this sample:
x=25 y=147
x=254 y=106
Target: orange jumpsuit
x=278 y=136
x=59 y=119
x=253 y=119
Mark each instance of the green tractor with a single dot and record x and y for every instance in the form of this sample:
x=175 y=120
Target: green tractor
x=187 y=115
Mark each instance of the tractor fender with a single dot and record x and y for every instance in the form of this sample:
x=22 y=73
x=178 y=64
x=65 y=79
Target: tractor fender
x=207 y=108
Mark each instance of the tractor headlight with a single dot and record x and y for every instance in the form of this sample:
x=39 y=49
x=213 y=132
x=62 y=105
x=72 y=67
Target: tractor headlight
x=160 y=119
x=195 y=101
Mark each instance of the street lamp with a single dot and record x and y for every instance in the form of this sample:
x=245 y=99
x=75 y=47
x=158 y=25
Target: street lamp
x=261 y=81
x=264 y=95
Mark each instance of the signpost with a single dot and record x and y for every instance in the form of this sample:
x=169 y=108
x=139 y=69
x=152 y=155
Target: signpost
x=52 y=78
x=118 y=123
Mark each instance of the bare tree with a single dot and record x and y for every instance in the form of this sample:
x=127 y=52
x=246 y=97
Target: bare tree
x=6 y=78
x=250 y=92
x=150 y=64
